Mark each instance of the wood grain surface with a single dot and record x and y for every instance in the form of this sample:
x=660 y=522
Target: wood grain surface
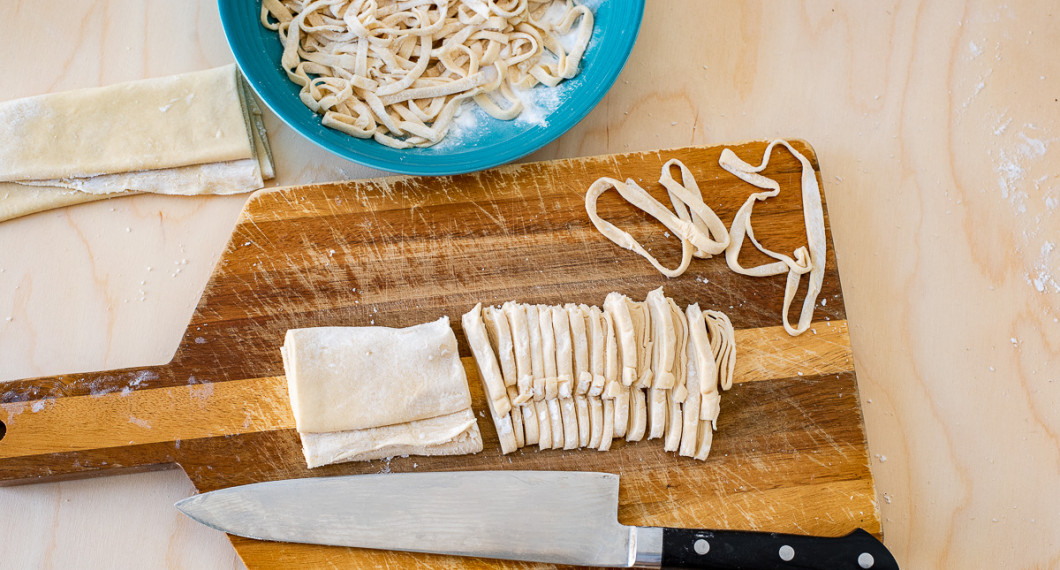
x=790 y=455
x=936 y=125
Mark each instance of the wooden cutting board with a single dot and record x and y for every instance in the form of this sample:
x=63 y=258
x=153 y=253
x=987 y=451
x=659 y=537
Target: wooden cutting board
x=790 y=453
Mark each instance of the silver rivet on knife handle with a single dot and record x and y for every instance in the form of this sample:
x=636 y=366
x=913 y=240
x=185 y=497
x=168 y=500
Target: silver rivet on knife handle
x=647 y=545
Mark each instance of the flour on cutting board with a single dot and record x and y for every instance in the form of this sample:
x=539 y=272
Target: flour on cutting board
x=40 y=405
x=201 y=391
x=139 y=378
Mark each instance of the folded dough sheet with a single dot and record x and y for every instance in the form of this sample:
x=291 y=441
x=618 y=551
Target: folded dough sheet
x=361 y=393
x=189 y=134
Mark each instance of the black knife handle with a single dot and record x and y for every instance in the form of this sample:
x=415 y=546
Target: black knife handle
x=745 y=550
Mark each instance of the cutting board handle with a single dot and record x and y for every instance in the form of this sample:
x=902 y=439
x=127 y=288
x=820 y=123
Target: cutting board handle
x=109 y=421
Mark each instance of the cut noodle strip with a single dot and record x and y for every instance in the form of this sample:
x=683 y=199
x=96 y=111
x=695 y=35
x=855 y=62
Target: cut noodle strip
x=702 y=234
x=809 y=259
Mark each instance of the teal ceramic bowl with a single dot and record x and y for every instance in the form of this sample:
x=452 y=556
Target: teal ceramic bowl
x=477 y=141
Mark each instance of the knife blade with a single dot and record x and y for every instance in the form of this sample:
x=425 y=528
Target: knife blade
x=538 y=516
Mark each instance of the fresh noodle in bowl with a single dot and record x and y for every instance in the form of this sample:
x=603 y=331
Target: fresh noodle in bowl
x=399 y=71
x=511 y=119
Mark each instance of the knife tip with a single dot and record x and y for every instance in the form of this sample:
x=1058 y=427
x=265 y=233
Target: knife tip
x=189 y=505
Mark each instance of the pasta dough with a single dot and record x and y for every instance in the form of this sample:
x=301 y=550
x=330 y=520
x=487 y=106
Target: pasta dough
x=496 y=393
x=343 y=378
x=809 y=259
x=702 y=234
x=664 y=350
x=196 y=133
x=398 y=72
x=452 y=434
x=361 y=393
x=17 y=200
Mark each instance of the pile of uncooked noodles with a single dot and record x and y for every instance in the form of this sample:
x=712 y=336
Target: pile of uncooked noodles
x=703 y=234
x=398 y=71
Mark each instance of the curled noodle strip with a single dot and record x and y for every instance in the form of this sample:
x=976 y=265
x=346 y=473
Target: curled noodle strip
x=702 y=234
x=808 y=259
x=397 y=71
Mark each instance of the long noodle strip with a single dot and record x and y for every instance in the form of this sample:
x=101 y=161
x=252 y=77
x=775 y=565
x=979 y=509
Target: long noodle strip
x=702 y=234
x=397 y=71
x=807 y=260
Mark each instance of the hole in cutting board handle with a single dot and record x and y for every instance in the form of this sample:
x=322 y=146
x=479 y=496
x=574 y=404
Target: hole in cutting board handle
x=3 y=429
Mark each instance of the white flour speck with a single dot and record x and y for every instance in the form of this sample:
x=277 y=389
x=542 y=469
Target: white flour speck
x=1042 y=278
x=1002 y=125
x=142 y=376
x=975 y=49
x=142 y=423
x=201 y=391
x=1012 y=167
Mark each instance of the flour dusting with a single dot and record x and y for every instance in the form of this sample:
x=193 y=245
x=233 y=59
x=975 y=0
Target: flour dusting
x=1023 y=154
x=472 y=125
x=1012 y=165
x=1042 y=278
x=141 y=377
x=201 y=391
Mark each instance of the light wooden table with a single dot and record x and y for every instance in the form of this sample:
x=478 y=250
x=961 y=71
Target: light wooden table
x=935 y=123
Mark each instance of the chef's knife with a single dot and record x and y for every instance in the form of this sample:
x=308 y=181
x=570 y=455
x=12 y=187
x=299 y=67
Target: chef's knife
x=540 y=516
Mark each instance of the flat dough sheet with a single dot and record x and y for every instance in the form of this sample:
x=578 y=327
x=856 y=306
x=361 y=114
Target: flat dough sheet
x=150 y=124
x=190 y=134
x=351 y=378
x=17 y=200
x=451 y=434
